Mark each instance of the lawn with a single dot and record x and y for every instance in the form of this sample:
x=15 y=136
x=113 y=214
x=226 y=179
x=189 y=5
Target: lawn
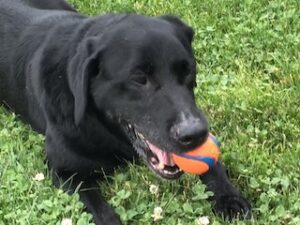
x=248 y=55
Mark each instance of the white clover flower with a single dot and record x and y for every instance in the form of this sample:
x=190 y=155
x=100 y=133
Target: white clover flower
x=157 y=213
x=153 y=189
x=203 y=220
x=66 y=221
x=39 y=177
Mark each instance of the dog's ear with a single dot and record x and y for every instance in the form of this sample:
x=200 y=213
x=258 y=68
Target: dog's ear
x=82 y=67
x=181 y=26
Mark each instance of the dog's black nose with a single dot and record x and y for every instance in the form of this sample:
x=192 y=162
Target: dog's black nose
x=190 y=133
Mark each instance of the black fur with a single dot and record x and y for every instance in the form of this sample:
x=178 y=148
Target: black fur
x=78 y=79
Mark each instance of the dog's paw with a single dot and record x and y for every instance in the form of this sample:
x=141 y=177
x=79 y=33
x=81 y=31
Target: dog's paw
x=107 y=219
x=232 y=207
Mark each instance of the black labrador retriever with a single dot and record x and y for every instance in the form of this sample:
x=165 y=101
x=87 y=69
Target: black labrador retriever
x=105 y=90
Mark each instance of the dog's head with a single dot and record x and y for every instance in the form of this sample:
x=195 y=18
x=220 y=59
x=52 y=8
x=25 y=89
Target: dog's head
x=140 y=73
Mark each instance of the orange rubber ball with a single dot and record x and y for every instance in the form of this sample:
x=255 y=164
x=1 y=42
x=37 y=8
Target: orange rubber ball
x=199 y=160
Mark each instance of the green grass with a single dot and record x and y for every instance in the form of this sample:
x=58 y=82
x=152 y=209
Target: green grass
x=248 y=55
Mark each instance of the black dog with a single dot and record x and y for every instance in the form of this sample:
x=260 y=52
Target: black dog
x=105 y=90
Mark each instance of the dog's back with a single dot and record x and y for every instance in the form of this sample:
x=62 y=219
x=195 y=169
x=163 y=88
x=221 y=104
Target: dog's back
x=16 y=17
x=41 y=4
x=48 y=4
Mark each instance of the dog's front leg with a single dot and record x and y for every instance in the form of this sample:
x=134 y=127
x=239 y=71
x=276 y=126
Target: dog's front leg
x=90 y=195
x=64 y=175
x=227 y=201
x=103 y=214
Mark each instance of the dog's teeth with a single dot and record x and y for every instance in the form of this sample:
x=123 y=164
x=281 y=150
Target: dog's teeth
x=161 y=166
x=168 y=172
x=141 y=136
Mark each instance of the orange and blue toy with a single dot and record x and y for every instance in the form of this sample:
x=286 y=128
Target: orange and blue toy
x=199 y=160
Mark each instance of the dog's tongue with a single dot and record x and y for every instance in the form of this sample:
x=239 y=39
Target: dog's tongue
x=163 y=157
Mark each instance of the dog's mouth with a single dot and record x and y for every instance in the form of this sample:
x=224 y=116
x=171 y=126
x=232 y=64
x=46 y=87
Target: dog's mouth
x=159 y=161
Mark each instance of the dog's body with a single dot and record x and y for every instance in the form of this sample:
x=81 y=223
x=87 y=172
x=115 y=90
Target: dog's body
x=100 y=87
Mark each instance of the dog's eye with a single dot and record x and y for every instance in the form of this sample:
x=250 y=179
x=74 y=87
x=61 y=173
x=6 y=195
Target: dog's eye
x=182 y=69
x=139 y=78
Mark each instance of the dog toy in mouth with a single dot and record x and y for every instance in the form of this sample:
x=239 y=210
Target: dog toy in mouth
x=201 y=159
